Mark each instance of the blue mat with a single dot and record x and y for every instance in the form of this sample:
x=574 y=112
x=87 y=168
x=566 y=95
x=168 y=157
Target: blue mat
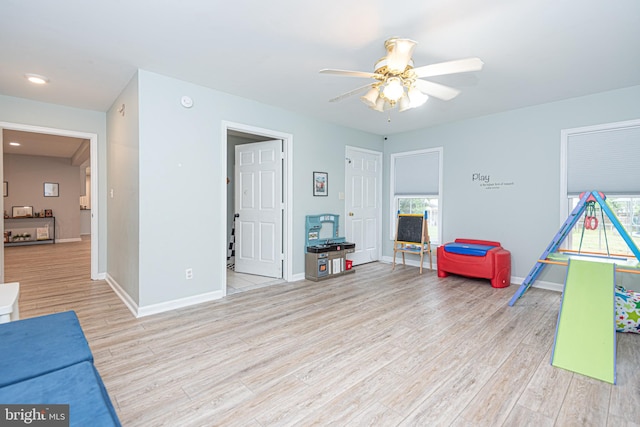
x=78 y=386
x=467 y=249
x=37 y=346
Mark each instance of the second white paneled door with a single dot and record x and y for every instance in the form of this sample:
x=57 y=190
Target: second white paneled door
x=363 y=179
x=258 y=206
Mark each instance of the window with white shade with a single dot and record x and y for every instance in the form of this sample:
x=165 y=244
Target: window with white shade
x=416 y=182
x=604 y=158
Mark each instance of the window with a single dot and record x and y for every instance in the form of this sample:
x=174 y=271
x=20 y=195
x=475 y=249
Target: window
x=418 y=205
x=416 y=188
x=627 y=210
x=602 y=158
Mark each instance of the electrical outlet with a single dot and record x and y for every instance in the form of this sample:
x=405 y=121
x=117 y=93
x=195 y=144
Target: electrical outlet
x=189 y=273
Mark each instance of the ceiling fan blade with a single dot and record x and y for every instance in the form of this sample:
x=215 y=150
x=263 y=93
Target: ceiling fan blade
x=399 y=54
x=350 y=93
x=449 y=67
x=436 y=90
x=348 y=73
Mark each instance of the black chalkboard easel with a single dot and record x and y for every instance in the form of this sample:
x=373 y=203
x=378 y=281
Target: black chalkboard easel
x=412 y=236
x=410 y=229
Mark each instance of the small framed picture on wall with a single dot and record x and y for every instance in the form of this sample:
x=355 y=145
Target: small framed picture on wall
x=51 y=189
x=320 y=184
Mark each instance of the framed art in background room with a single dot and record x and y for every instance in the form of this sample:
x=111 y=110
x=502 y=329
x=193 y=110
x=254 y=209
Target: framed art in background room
x=22 y=211
x=320 y=184
x=51 y=189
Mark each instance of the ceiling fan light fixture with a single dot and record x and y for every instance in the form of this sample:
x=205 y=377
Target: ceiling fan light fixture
x=398 y=83
x=381 y=105
x=399 y=54
x=394 y=89
x=404 y=103
x=416 y=98
x=371 y=97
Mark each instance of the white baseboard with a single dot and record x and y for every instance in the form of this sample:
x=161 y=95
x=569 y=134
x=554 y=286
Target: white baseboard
x=411 y=262
x=74 y=239
x=297 y=277
x=179 y=303
x=126 y=299
x=551 y=286
x=148 y=310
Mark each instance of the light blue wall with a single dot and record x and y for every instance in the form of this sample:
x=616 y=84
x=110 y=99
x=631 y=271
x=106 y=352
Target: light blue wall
x=123 y=209
x=520 y=147
x=182 y=181
x=180 y=175
x=27 y=112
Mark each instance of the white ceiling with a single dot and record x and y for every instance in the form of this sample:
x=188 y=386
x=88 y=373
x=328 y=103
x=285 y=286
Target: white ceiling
x=535 y=51
x=38 y=144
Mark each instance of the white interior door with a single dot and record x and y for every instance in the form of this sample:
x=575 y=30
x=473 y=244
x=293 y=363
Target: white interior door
x=258 y=204
x=363 y=192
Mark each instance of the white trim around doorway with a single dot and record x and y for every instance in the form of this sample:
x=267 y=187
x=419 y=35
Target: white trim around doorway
x=287 y=195
x=93 y=139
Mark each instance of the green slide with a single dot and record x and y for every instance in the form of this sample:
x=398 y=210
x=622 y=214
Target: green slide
x=586 y=335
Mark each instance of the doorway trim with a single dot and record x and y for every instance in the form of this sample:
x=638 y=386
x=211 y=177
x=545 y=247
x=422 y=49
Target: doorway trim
x=93 y=155
x=287 y=193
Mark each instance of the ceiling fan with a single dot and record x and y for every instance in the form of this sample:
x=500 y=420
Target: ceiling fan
x=398 y=83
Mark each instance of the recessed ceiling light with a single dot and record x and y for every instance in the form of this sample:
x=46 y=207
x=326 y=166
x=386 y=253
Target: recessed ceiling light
x=37 y=79
x=15 y=144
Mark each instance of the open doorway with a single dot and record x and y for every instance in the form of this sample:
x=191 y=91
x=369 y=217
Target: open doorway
x=50 y=142
x=244 y=136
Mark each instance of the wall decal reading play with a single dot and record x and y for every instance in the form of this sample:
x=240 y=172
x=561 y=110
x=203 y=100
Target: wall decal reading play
x=484 y=182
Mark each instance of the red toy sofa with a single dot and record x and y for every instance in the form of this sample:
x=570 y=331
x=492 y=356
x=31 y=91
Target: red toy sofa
x=476 y=258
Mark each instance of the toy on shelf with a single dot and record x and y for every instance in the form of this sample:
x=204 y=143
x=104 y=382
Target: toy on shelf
x=483 y=259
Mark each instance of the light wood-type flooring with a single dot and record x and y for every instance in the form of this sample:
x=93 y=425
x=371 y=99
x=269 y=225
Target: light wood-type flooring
x=373 y=348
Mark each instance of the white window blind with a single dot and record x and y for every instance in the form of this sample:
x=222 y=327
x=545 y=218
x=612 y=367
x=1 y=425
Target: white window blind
x=604 y=160
x=416 y=173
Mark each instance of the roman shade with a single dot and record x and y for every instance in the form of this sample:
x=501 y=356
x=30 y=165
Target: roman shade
x=416 y=173
x=604 y=160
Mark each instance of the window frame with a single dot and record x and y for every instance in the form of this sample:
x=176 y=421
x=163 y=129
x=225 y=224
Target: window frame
x=566 y=198
x=393 y=197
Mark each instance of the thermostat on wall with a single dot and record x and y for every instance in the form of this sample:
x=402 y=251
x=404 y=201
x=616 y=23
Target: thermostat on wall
x=186 y=102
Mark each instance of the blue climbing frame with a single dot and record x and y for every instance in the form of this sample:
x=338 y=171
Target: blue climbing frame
x=562 y=234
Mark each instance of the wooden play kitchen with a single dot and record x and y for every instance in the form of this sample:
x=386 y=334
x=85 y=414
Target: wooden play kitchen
x=326 y=257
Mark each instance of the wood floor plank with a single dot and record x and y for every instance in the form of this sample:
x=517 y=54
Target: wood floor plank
x=546 y=391
x=493 y=403
x=586 y=402
x=525 y=417
x=378 y=347
x=444 y=405
x=624 y=405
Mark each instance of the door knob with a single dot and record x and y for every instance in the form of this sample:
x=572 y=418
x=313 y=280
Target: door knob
x=350 y=213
